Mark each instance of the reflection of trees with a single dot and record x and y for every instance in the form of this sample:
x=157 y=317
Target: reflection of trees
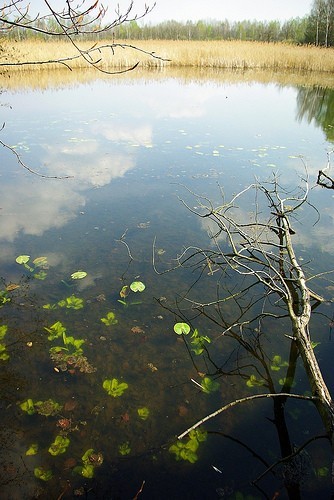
x=268 y=295
x=317 y=104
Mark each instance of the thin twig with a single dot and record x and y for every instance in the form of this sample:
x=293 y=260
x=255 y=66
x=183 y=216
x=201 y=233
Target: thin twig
x=244 y=400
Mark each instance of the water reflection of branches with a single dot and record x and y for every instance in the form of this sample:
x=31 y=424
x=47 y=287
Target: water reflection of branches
x=269 y=284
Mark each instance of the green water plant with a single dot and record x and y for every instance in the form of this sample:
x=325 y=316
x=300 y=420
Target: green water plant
x=39 y=264
x=28 y=406
x=55 y=331
x=124 y=448
x=114 y=388
x=110 y=319
x=71 y=302
x=187 y=450
x=181 y=328
x=208 y=385
x=78 y=275
x=47 y=408
x=59 y=445
x=137 y=286
x=277 y=363
x=253 y=381
x=42 y=473
x=198 y=341
x=143 y=413
x=90 y=460
x=4 y=356
x=4 y=297
x=32 y=450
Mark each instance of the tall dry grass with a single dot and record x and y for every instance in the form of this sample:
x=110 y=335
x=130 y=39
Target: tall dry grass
x=190 y=54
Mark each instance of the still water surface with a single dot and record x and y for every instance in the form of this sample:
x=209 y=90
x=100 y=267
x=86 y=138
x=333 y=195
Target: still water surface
x=125 y=153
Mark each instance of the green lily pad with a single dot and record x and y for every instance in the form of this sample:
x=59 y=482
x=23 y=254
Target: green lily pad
x=22 y=259
x=78 y=275
x=181 y=328
x=137 y=286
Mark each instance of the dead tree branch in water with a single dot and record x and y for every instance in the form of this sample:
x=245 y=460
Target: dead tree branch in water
x=259 y=250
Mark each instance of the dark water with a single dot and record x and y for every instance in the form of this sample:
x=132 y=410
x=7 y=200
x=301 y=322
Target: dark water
x=124 y=154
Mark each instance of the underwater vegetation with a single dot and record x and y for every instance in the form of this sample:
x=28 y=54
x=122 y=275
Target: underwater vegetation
x=198 y=342
x=187 y=449
x=3 y=348
x=47 y=408
x=59 y=445
x=90 y=460
x=39 y=263
x=135 y=286
x=114 y=388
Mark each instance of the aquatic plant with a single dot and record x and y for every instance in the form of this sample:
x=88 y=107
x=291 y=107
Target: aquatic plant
x=277 y=363
x=187 y=450
x=78 y=275
x=32 y=450
x=28 y=406
x=181 y=328
x=114 y=388
x=198 y=341
x=143 y=413
x=71 y=302
x=253 y=381
x=4 y=297
x=59 y=445
x=124 y=448
x=137 y=286
x=110 y=319
x=55 y=331
x=38 y=262
x=3 y=348
x=43 y=474
x=47 y=408
x=208 y=385
x=90 y=460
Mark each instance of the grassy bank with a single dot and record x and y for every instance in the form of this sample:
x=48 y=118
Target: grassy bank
x=211 y=54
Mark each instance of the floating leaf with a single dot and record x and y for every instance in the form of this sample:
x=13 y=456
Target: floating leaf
x=78 y=275
x=181 y=328
x=22 y=259
x=137 y=286
x=41 y=262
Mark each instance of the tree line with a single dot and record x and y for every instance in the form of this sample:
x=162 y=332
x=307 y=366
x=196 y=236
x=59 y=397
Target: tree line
x=317 y=28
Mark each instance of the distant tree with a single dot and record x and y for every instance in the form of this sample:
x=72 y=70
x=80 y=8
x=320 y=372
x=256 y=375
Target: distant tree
x=320 y=27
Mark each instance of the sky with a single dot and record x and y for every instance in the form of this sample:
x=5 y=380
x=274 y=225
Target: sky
x=194 y=10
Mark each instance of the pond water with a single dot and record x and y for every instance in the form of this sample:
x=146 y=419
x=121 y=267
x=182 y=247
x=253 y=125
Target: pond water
x=115 y=158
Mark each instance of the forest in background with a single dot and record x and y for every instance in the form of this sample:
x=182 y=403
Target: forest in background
x=316 y=29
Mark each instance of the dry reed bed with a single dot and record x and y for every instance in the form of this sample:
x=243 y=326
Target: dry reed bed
x=210 y=54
